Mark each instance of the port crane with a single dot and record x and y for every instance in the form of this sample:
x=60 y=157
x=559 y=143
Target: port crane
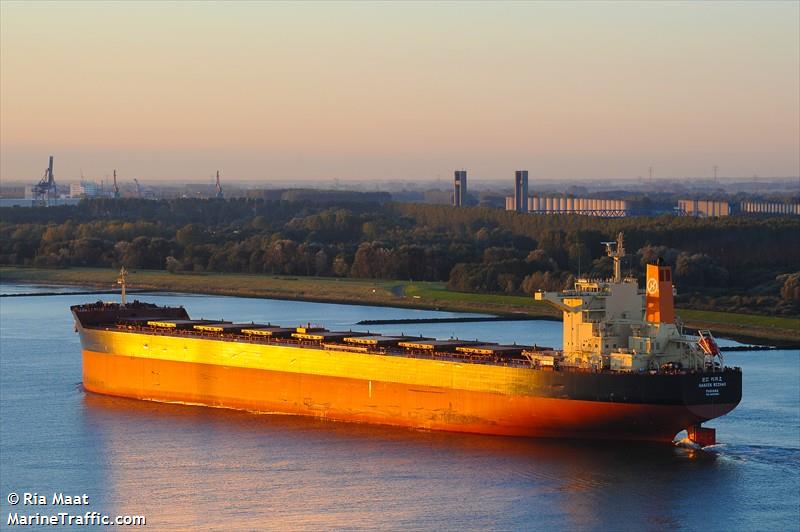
x=45 y=189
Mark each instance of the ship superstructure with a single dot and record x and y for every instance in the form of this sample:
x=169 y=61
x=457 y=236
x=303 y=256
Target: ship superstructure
x=626 y=370
x=614 y=325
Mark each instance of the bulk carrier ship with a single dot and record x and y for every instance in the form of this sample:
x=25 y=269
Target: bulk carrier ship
x=626 y=370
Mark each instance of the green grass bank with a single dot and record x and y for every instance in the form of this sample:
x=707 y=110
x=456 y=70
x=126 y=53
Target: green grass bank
x=423 y=295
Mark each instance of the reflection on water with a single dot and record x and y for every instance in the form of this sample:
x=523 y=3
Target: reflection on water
x=305 y=473
x=190 y=467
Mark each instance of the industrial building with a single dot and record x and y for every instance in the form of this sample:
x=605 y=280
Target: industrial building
x=607 y=208
x=704 y=208
x=712 y=209
x=760 y=207
x=87 y=189
x=460 y=188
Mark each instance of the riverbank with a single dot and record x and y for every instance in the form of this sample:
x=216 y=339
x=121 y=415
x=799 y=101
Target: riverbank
x=747 y=328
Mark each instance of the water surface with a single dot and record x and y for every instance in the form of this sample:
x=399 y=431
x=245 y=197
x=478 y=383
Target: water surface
x=191 y=467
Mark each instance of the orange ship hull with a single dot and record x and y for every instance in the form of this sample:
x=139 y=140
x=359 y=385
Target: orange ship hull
x=391 y=403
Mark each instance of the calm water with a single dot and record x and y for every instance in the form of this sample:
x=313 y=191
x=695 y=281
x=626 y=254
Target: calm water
x=188 y=467
x=39 y=289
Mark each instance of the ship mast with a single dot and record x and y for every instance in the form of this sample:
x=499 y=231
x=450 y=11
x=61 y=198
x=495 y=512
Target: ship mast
x=123 y=275
x=616 y=253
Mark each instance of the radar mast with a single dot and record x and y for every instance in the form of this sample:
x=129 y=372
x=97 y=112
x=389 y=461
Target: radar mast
x=616 y=250
x=121 y=280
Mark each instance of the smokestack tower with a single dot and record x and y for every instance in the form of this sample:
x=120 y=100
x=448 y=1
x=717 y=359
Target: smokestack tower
x=219 y=187
x=116 y=187
x=459 y=188
x=521 y=191
x=660 y=306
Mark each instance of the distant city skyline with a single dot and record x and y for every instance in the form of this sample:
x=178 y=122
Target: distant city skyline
x=393 y=91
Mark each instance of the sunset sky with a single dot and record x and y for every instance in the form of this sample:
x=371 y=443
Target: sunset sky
x=264 y=90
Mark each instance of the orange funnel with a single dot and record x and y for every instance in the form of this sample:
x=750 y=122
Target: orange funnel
x=660 y=306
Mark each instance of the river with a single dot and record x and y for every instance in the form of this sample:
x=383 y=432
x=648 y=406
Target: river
x=186 y=467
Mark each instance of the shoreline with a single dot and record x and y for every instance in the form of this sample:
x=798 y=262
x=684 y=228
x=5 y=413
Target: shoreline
x=375 y=293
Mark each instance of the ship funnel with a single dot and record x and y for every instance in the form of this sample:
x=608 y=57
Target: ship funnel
x=660 y=305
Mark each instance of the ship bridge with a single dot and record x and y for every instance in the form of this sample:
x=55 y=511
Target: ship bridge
x=613 y=324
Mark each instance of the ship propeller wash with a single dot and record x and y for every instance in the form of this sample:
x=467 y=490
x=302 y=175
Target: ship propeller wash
x=626 y=371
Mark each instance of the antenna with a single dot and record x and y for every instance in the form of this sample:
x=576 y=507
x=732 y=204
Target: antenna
x=715 y=173
x=650 y=173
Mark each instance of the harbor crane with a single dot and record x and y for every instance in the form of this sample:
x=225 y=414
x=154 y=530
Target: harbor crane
x=45 y=189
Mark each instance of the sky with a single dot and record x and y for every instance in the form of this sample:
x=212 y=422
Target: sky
x=399 y=91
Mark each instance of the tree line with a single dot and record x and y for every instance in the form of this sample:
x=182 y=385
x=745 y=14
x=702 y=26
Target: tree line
x=472 y=248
